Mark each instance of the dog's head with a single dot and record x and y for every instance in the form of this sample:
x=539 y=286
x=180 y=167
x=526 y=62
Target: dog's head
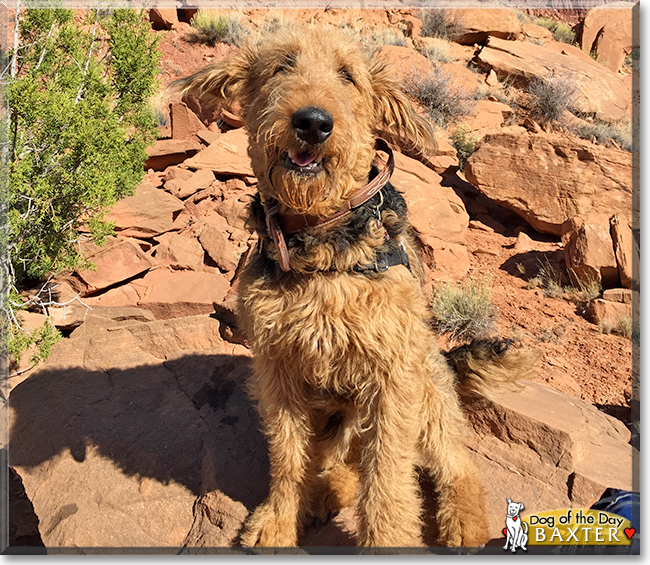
x=514 y=508
x=313 y=103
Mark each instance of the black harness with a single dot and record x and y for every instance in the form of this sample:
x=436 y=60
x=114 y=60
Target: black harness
x=383 y=260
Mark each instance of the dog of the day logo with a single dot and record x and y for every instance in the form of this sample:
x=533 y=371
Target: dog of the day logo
x=569 y=526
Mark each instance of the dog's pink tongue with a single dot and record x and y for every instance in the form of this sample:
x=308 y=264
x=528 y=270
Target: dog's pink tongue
x=302 y=159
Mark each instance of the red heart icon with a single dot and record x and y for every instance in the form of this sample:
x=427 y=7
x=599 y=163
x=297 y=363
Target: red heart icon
x=505 y=532
x=514 y=518
x=629 y=532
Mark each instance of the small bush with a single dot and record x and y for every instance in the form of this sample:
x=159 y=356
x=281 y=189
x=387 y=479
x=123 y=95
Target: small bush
x=437 y=51
x=564 y=34
x=19 y=340
x=444 y=102
x=548 y=278
x=585 y=292
x=605 y=132
x=590 y=289
x=442 y=24
x=625 y=326
x=561 y=32
x=606 y=326
x=212 y=28
x=548 y=23
x=464 y=312
x=553 y=96
x=633 y=60
x=465 y=143
x=381 y=37
x=523 y=17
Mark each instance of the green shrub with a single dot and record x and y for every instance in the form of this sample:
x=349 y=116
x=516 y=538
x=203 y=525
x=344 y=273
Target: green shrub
x=444 y=102
x=78 y=121
x=465 y=143
x=212 y=28
x=564 y=34
x=553 y=96
x=464 y=312
x=561 y=32
x=441 y=23
x=548 y=23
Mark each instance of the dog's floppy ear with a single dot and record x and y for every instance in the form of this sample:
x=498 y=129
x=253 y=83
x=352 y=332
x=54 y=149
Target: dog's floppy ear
x=395 y=117
x=217 y=84
x=521 y=506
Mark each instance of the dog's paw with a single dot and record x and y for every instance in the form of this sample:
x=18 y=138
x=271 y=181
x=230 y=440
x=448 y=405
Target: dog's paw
x=264 y=528
x=331 y=491
x=469 y=531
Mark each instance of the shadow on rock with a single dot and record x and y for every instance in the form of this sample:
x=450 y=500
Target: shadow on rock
x=187 y=420
x=530 y=264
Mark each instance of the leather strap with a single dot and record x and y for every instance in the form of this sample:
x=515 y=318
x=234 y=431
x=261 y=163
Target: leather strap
x=278 y=224
x=278 y=237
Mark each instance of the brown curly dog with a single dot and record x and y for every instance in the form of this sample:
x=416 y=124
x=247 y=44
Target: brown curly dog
x=352 y=389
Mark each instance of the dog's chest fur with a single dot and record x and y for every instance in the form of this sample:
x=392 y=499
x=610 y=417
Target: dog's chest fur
x=333 y=328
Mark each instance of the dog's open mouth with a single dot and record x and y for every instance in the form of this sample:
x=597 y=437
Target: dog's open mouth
x=302 y=162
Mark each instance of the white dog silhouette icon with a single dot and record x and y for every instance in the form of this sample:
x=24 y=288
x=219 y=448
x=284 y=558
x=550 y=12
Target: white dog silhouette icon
x=516 y=531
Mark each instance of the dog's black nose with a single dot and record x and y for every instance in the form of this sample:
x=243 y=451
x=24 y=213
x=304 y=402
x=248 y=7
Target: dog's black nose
x=313 y=125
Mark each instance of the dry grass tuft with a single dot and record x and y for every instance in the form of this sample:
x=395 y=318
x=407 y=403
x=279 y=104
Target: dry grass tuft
x=548 y=278
x=552 y=96
x=442 y=24
x=212 y=28
x=443 y=102
x=465 y=311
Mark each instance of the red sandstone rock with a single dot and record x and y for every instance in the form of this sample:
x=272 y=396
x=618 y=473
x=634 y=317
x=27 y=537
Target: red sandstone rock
x=163 y=18
x=437 y=214
x=179 y=252
x=149 y=212
x=547 y=179
x=226 y=155
x=625 y=248
x=180 y=293
x=607 y=30
x=166 y=152
x=589 y=253
x=184 y=187
x=184 y=122
x=479 y=23
x=117 y=261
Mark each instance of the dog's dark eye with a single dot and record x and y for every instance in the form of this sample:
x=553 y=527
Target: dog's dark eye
x=287 y=63
x=347 y=75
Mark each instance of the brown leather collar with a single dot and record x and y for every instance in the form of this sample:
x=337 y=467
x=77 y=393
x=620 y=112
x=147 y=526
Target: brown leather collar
x=278 y=224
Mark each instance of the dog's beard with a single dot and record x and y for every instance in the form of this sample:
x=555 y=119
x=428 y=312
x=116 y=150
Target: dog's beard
x=299 y=192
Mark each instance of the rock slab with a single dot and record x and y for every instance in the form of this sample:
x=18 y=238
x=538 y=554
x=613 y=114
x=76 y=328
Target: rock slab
x=547 y=179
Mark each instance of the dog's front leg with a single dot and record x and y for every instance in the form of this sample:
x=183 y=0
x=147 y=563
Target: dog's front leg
x=275 y=522
x=388 y=502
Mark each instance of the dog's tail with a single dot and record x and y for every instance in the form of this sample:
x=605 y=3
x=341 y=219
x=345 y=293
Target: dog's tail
x=486 y=365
